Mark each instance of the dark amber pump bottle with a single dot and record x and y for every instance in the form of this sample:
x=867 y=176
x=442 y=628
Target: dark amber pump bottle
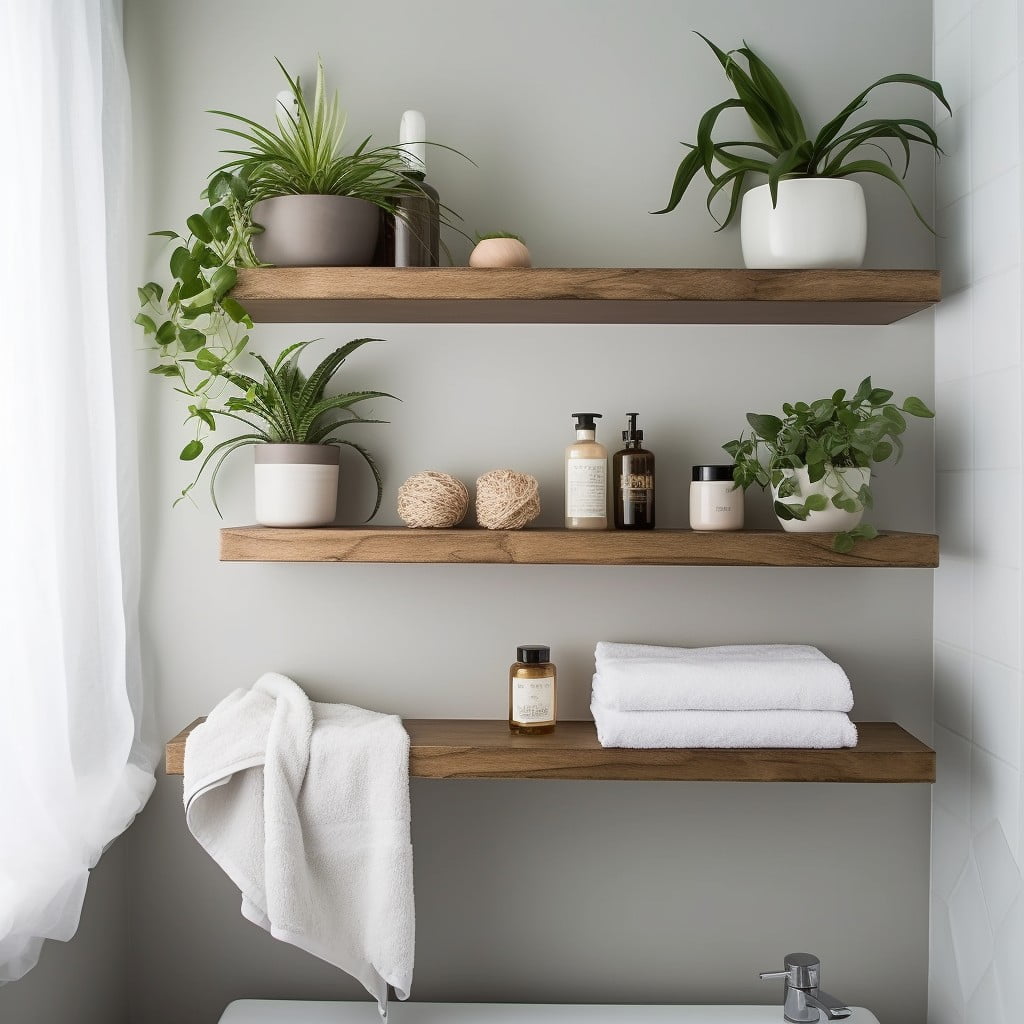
x=633 y=481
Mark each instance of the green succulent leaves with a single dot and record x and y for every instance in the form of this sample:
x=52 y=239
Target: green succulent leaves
x=783 y=148
x=822 y=436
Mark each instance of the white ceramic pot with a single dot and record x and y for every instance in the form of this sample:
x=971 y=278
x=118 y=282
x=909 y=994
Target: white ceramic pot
x=296 y=484
x=831 y=519
x=817 y=223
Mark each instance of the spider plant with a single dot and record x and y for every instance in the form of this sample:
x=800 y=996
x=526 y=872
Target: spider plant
x=286 y=406
x=784 y=148
x=302 y=155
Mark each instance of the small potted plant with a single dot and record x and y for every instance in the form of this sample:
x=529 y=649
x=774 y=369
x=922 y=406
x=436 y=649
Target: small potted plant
x=808 y=214
x=294 y=425
x=817 y=458
x=499 y=249
x=313 y=204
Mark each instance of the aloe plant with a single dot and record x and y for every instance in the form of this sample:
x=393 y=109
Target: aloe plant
x=784 y=148
x=285 y=406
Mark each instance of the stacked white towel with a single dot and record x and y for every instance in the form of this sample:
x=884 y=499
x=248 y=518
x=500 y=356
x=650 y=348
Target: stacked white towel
x=306 y=807
x=744 y=695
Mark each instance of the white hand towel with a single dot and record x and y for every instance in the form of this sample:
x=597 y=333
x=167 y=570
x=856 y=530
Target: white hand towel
x=306 y=808
x=740 y=677
x=656 y=729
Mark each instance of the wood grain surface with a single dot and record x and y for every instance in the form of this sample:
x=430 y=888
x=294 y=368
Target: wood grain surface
x=583 y=295
x=571 y=547
x=471 y=749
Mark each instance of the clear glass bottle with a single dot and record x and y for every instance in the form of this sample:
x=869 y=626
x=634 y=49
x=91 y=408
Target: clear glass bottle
x=532 y=696
x=633 y=481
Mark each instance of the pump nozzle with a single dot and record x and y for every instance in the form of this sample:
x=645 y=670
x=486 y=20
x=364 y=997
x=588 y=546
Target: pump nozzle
x=631 y=433
x=585 y=420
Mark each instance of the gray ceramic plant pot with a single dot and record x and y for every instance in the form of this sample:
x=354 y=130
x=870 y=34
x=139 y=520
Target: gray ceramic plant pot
x=296 y=484
x=315 y=231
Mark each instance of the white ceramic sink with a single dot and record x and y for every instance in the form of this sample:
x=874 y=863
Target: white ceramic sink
x=279 y=1011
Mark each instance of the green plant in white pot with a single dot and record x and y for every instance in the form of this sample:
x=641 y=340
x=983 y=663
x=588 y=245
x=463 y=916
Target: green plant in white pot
x=809 y=214
x=817 y=458
x=294 y=426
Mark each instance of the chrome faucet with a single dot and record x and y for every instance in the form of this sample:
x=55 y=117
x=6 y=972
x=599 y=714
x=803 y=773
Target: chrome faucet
x=804 y=1001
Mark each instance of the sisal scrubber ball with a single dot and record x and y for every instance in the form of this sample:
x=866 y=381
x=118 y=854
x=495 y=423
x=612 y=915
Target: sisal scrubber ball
x=432 y=500
x=507 y=500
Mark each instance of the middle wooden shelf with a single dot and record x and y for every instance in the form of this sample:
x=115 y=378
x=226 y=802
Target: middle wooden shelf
x=572 y=547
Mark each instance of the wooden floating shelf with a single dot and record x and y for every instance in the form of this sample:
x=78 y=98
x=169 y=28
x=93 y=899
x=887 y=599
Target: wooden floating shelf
x=571 y=547
x=583 y=295
x=467 y=749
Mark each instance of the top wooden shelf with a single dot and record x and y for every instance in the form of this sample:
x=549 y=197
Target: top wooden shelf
x=584 y=295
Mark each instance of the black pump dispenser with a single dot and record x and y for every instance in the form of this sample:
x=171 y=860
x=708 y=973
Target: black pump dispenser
x=585 y=420
x=632 y=436
x=633 y=481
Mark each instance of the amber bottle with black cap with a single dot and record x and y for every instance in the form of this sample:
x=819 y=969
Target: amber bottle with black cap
x=532 y=699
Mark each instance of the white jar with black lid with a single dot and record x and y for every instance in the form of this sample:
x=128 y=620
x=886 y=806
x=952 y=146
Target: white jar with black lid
x=715 y=502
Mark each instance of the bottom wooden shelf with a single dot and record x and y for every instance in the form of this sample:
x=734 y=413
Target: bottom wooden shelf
x=470 y=749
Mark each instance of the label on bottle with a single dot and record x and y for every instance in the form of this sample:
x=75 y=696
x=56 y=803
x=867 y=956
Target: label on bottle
x=533 y=700
x=586 y=488
x=639 y=482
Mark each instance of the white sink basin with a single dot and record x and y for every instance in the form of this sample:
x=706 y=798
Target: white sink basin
x=281 y=1011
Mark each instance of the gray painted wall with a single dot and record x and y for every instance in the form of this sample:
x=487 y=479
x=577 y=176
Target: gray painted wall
x=546 y=890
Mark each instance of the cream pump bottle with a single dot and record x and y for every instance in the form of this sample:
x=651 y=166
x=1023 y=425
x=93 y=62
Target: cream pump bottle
x=586 y=477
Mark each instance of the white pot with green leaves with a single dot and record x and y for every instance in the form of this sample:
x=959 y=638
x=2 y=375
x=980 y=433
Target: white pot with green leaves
x=809 y=214
x=816 y=458
x=833 y=502
x=295 y=427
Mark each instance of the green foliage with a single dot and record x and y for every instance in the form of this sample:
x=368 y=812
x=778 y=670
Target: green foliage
x=823 y=436
x=784 y=148
x=302 y=155
x=192 y=322
x=498 y=234
x=282 y=406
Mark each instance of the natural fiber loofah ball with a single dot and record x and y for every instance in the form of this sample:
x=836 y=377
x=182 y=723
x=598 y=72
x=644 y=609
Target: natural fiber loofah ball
x=432 y=500
x=507 y=500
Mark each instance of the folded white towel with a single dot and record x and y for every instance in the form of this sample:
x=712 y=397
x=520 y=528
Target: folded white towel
x=306 y=807
x=740 y=677
x=655 y=729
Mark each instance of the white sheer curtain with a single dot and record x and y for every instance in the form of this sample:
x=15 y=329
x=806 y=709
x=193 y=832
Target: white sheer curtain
x=74 y=769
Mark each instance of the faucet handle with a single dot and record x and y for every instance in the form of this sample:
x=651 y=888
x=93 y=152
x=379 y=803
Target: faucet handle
x=802 y=971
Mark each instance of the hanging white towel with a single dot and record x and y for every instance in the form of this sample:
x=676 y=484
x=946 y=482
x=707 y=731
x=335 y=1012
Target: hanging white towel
x=306 y=808
x=657 y=729
x=739 y=677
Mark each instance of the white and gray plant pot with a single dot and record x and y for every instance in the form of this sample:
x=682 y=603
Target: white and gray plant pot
x=296 y=484
x=817 y=223
x=849 y=479
x=315 y=231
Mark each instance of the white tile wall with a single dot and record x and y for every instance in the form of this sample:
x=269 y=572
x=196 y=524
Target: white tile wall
x=996 y=709
x=994 y=42
x=953 y=684
x=977 y=940
x=995 y=144
x=997 y=498
x=994 y=206
x=995 y=323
